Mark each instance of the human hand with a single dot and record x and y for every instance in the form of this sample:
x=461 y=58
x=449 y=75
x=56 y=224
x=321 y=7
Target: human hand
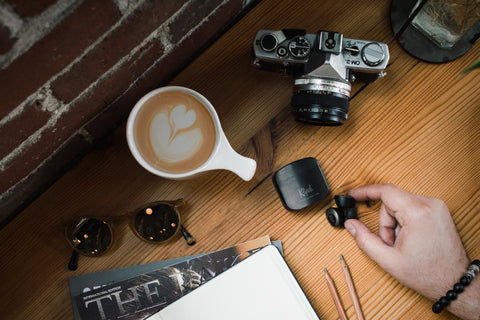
x=417 y=242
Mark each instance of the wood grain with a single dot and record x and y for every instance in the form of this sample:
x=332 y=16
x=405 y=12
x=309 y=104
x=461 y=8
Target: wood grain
x=418 y=127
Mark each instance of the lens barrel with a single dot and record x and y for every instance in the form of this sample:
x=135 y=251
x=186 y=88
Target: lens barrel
x=320 y=101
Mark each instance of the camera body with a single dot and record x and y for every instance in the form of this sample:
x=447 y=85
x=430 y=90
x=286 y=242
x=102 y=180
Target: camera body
x=324 y=65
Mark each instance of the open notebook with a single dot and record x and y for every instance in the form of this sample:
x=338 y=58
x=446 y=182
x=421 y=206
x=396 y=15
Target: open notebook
x=260 y=287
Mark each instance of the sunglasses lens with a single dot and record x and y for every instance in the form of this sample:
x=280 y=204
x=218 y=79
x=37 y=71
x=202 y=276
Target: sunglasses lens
x=90 y=237
x=157 y=223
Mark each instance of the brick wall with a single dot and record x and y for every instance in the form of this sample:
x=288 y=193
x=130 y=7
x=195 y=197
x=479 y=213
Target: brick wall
x=71 y=70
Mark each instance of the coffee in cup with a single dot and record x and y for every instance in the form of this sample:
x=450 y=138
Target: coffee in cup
x=175 y=132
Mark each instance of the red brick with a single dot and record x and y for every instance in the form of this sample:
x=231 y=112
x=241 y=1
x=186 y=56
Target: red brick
x=205 y=35
x=55 y=51
x=28 y=8
x=115 y=86
x=92 y=104
x=15 y=131
x=225 y=17
x=165 y=70
x=48 y=143
x=133 y=30
x=116 y=96
x=196 y=11
x=6 y=42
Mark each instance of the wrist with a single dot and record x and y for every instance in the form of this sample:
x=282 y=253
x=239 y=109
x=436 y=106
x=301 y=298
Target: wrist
x=463 y=299
x=467 y=304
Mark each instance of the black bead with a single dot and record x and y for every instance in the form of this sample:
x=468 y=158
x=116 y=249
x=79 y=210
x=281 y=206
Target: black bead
x=437 y=307
x=451 y=295
x=465 y=280
x=458 y=287
x=444 y=301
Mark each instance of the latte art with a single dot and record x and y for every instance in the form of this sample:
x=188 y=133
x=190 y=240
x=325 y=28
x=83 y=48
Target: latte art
x=174 y=132
x=172 y=136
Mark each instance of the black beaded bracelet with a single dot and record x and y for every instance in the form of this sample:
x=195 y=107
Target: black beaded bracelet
x=468 y=276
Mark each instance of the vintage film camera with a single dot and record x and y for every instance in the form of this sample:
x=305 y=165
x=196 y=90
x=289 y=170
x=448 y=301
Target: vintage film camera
x=324 y=65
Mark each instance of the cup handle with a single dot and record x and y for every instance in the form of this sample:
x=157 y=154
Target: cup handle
x=228 y=159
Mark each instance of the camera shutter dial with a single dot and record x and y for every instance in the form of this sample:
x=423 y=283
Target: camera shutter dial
x=299 y=47
x=373 y=54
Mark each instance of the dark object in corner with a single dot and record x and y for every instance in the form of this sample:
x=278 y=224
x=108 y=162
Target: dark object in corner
x=419 y=45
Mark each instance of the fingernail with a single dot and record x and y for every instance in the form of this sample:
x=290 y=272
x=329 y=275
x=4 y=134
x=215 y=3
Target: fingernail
x=350 y=228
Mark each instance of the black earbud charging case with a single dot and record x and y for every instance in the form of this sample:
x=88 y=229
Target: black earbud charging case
x=301 y=184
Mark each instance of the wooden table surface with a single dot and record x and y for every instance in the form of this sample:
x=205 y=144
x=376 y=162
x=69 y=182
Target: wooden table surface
x=418 y=127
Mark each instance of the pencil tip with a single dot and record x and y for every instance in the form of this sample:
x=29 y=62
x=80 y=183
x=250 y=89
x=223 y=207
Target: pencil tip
x=325 y=270
x=341 y=257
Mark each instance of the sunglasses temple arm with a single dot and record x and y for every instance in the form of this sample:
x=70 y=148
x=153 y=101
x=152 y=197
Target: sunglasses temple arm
x=73 y=263
x=188 y=237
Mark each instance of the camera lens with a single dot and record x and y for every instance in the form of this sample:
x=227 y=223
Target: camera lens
x=320 y=101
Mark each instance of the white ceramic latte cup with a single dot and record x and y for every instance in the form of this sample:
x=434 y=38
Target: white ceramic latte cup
x=222 y=157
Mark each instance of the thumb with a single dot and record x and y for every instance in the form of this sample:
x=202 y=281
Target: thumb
x=371 y=244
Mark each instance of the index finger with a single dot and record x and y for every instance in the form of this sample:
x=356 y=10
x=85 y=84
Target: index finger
x=393 y=197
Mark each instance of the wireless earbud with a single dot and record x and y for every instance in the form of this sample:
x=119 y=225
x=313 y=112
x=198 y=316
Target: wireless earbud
x=346 y=209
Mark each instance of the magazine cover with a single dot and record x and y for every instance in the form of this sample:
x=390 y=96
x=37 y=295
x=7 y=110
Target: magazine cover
x=141 y=295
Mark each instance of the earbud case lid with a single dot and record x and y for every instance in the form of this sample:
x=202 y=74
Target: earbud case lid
x=301 y=184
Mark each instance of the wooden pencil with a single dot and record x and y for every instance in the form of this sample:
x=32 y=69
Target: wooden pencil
x=336 y=299
x=351 y=289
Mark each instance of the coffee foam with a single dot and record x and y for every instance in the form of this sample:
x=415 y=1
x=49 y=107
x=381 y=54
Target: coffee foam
x=169 y=137
x=174 y=132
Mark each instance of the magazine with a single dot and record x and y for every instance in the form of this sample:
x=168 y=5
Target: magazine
x=142 y=294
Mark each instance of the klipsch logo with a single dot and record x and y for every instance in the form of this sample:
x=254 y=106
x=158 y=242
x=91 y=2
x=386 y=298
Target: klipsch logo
x=306 y=192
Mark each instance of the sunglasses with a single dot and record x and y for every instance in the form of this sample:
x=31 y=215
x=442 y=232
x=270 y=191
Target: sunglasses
x=154 y=223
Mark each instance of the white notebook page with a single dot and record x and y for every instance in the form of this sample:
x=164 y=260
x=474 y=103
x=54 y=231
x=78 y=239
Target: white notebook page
x=260 y=287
